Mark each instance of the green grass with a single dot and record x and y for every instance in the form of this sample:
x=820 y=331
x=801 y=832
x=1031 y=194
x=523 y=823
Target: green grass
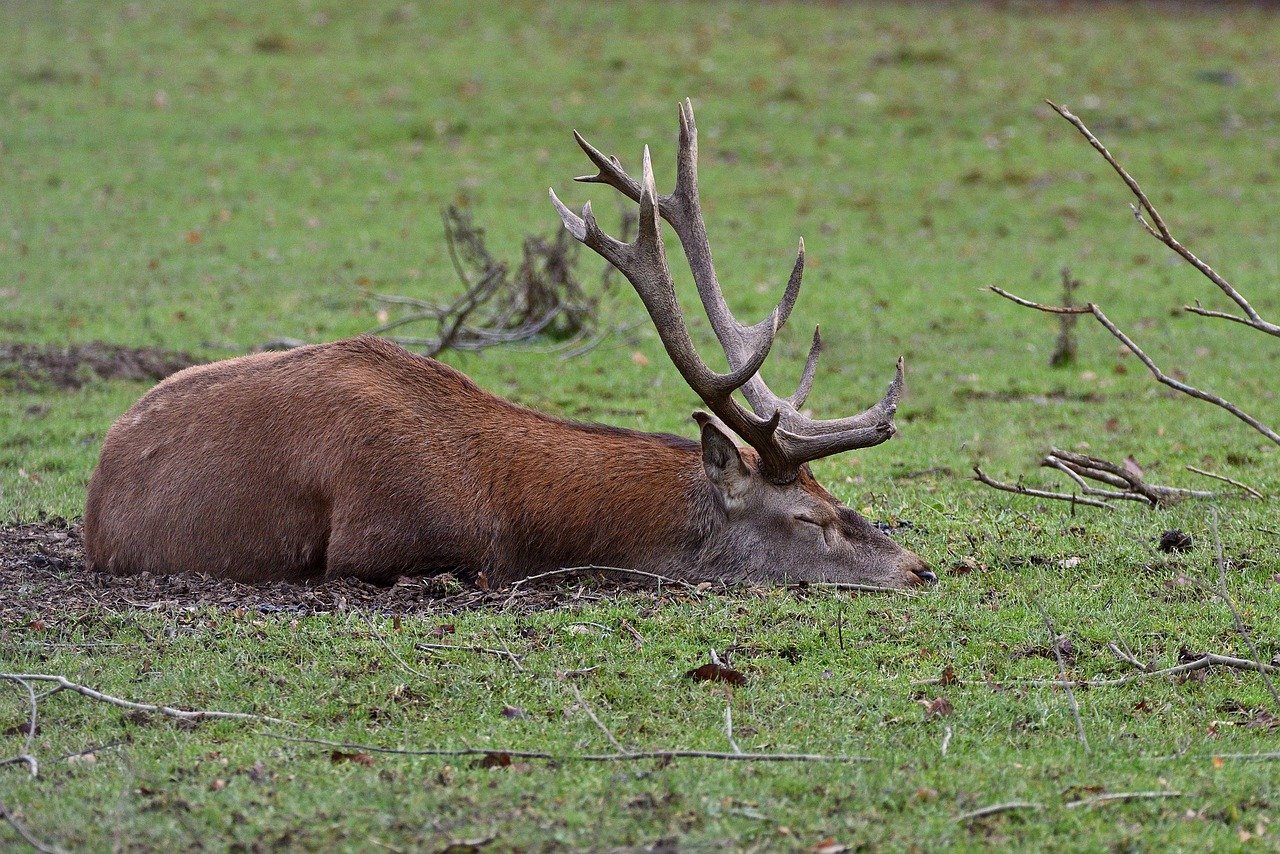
x=166 y=182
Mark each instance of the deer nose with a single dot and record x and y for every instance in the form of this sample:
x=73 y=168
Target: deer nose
x=919 y=572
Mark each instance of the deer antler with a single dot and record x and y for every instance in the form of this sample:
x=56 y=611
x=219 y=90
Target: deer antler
x=784 y=438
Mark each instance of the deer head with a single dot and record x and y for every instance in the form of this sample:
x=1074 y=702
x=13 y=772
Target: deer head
x=772 y=517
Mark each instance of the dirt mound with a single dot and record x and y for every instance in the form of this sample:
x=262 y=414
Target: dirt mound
x=33 y=366
x=42 y=572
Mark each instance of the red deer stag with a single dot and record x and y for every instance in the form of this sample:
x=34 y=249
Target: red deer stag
x=358 y=458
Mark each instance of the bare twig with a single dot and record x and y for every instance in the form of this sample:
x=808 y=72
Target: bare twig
x=728 y=722
x=482 y=650
x=64 y=684
x=575 y=570
x=373 y=628
x=1249 y=489
x=996 y=809
x=848 y=585
x=28 y=837
x=586 y=707
x=1160 y=232
x=1120 y=797
x=1225 y=595
x=581 y=757
x=25 y=757
x=1019 y=489
x=1062 y=675
x=1128 y=658
x=1130 y=485
x=1204 y=661
x=1132 y=347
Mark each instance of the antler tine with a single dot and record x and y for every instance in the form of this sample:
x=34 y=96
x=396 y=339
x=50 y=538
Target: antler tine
x=611 y=171
x=810 y=368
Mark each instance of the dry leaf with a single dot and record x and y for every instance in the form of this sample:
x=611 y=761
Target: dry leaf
x=1131 y=466
x=494 y=760
x=716 y=672
x=937 y=708
x=338 y=756
x=640 y=359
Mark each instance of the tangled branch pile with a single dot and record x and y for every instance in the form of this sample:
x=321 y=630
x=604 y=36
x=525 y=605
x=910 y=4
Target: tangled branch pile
x=544 y=297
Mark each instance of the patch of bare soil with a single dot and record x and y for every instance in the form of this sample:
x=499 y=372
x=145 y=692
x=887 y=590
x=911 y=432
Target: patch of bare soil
x=42 y=572
x=34 y=366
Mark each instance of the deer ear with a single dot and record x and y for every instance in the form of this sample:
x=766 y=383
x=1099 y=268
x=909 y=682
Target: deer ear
x=722 y=462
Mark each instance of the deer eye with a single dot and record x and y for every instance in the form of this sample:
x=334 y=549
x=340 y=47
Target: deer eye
x=825 y=529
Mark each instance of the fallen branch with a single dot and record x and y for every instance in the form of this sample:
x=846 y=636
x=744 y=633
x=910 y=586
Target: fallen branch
x=1120 y=797
x=1237 y=484
x=1129 y=484
x=996 y=809
x=1234 y=757
x=28 y=837
x=1207 y=660
x=575 y=570
x=1161 y=232
x=586 y=707
x=496 y=306
x=1019 y=489
x=1132 y=347
x=25 y=757
x=64 y=684
x=578 y=757
x=481 y=650
x=1241 y=629
x=1062 y=674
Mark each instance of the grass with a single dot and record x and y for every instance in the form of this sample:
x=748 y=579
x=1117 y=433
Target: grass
x=206 y=177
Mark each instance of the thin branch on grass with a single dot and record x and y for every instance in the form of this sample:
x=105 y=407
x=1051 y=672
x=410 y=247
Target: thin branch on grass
x=373 y=629
x=1161 y=232
x=1132 y=347
x=1204 y=661
x=1249 y=489
x=575 y=570
x=586 y=707
x=1019 y=489
x=728 y=722
x=1201 y=757
x=1128 y=658
x=996 y=809
x=28 y=837
x=1225 y=595
x=847 y=585
x=64 y=684
x=1062 y=675
x=1129 y=483
x=632 y=756
x=482 y=650
x=26 y=757
x=1120 y=797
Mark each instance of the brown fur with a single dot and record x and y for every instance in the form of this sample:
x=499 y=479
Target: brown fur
x=359 y=458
